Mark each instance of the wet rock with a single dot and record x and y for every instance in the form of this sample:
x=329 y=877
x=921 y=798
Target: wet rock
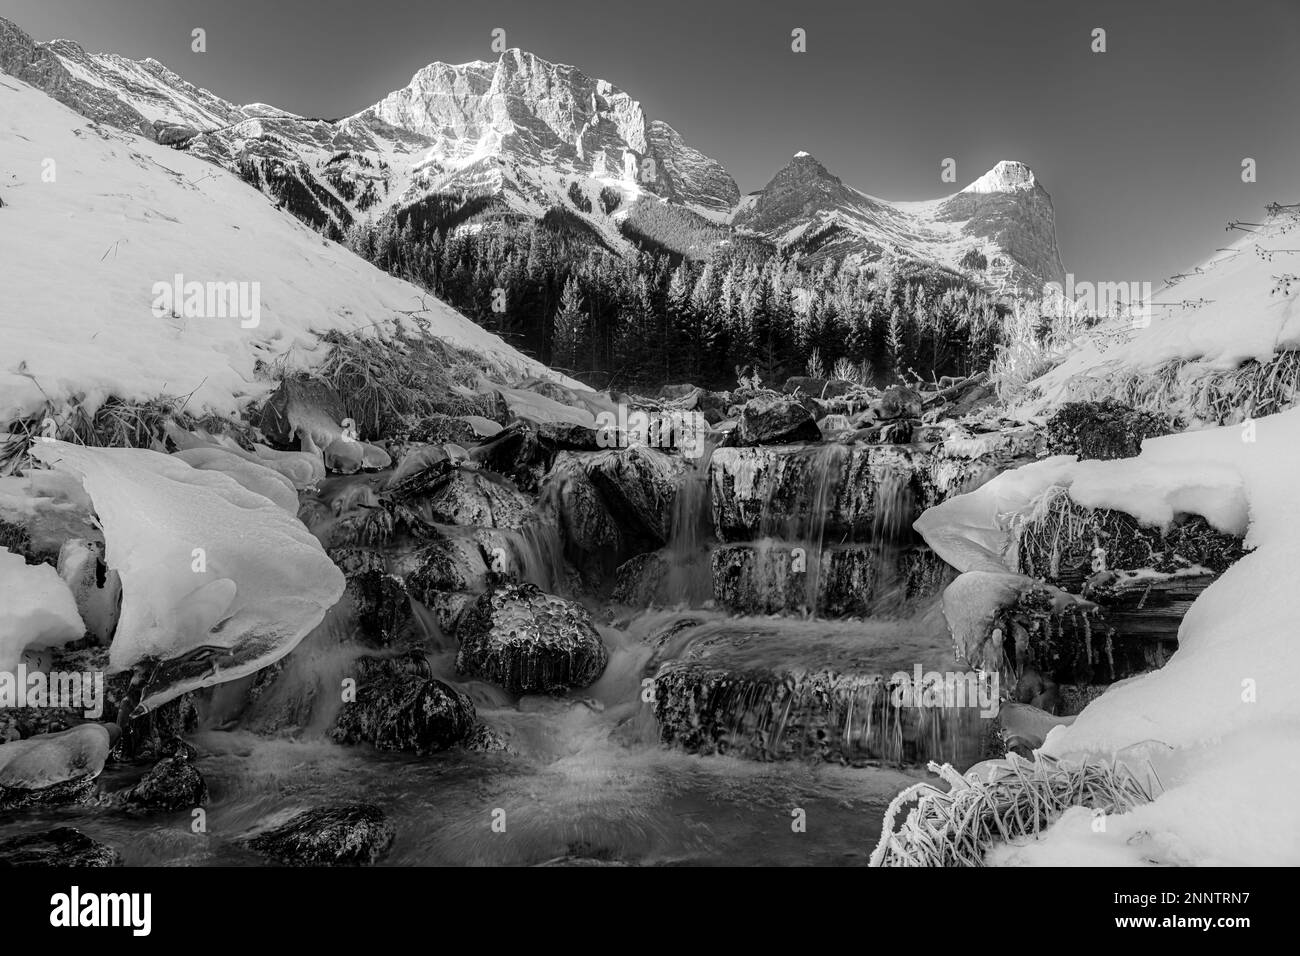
x=173 y=783
x=398 y=707
x=713 y=405
x=771 y=419
x=472 y=499
x=834 y=425
x=842 y=581
x=639 y=581
x=896 y=432
x=344 y=835
x=448 y=563
x=585 y=522
x=382 y=607
x=485 y=740
x=567 y=436
x=517 y=452
x=761 y=710
x=62 y=846
x=527 y=641
x=637 y=486
x=851 y=492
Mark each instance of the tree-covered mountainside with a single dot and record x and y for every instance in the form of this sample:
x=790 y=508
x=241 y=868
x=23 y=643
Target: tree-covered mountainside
x=654 y=317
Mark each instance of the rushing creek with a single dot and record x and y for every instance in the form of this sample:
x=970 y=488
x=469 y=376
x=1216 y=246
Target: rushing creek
x=591 y=777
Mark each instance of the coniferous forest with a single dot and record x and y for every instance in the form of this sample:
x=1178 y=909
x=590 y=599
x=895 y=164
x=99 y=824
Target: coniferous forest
x=556 y=290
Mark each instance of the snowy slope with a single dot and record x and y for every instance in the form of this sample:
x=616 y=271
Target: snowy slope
x=519 y=129
x=79 y=258
x=1234 y=306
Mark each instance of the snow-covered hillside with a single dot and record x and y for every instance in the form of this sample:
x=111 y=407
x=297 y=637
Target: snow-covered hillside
x=94 y=217
x=1240 y=304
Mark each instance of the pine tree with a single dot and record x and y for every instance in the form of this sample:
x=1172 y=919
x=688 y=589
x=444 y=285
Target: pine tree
x=568 y=327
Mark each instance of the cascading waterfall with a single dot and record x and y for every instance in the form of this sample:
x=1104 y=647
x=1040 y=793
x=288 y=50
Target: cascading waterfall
x=689 y=574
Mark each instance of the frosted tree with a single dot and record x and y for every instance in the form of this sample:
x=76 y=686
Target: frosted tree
x=568 y=327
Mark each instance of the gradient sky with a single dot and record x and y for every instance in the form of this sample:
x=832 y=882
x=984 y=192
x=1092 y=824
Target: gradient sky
x=1140 y=147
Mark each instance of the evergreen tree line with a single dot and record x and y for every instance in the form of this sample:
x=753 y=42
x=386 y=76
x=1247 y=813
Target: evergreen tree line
x=651 y=318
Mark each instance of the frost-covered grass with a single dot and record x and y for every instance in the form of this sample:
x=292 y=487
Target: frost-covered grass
x=1195 y=393
x=115 y=423
x=1032 y=346
x=1018 y=800
x=386 y=381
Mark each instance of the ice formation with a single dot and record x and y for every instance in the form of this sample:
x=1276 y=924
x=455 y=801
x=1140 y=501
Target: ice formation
x=217 y=581
x=36 y=609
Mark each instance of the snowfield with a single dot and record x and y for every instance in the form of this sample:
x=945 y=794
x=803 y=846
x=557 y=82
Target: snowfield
x=1219 y=725
x=93 y=217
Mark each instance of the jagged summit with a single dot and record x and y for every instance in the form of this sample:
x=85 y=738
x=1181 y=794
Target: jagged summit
x=1007 y=176
x=1001 y=226
x=528 y=135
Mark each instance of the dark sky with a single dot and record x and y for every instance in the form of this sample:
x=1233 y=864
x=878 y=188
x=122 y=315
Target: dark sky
x=1140 y=147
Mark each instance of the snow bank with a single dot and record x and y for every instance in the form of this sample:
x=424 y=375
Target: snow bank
x=217 y=581
x=36 y=609
x=1220 y=723
x=83 y=250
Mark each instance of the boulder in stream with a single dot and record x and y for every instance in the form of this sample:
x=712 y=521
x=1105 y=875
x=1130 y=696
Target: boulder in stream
x=343 y=835
x=173 y=783
x=62 y=846
x=526 y=641
x=399 y=708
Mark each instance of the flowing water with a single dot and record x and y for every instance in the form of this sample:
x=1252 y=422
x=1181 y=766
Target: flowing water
x=588 y=778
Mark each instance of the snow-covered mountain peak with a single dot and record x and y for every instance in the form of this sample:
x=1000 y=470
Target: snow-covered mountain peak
x=1007 y=176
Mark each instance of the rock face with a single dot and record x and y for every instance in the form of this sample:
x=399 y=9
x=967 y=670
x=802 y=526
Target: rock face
x=346 y=835
x=773 y=420
x=529 y=642
x=500 y=130
x=62 y=846
x=398 y=709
